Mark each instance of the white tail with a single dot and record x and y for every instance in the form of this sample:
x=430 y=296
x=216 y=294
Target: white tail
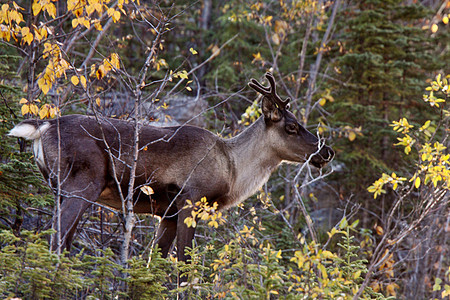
x=28 y=131
x=31 y=132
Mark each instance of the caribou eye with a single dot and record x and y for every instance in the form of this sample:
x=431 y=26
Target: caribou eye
x=291 y=128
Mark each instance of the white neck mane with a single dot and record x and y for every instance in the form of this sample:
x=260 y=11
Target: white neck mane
x=253 y=160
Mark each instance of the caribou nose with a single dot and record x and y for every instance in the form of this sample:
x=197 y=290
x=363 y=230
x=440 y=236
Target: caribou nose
x=325 y=155
x=329 y=154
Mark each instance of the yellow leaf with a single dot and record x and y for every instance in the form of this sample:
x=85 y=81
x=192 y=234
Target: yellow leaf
x=322 y=102
x=34 y=109
x=25 y=109
x=213 y=224
x=98 y=7
x=328 y=254
x=43 y=112
x=40 y=33
x=147 y=190
x=357 y=274
x=379 y=230
x=445 y=20
x=215 y=51
x=110 y=11
x=407 y=150
x=75 y=80
x=257 y=57
x=434 y=28
x=90 y=9
x=92 y=73
x=98 y=26
x=351 y=136
x=71 y=4
x=97 y=101
x=53 y=112
x=15 y=14
x=425 y=125
x=25 y=31
x=83 y=81
x=28 y=38
x=101 y=72
x=116 y=16
x=17 y=7
x=190 y=222
x=275 y=39
x=23 y=101
x=437 y=284
x=47 y=49
x=41 y=81
x=193 y=51
x=86 y=23
x=333 y=232
x=36 y=8
x=446 y=291
x=51 y=10
x=74 y=23
x=375 y=286
x=268 y=19
x=417 y=182
x=115 y=60
x=323 y=270
x=390 y=288
x=281 y=27
x=183 y=74
x=45 y=88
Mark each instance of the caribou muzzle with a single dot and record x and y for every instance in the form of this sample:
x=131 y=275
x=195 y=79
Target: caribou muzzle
x=324 y=156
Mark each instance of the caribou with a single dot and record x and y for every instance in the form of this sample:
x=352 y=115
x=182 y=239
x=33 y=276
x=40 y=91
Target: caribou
x=88 y=161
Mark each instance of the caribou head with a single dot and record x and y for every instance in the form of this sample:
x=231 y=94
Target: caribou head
x=294 y=143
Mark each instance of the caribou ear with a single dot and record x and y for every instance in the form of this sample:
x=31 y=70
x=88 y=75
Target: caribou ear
x=270 y=110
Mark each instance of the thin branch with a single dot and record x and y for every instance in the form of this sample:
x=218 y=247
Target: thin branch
x=202 y=64
x=316 y=66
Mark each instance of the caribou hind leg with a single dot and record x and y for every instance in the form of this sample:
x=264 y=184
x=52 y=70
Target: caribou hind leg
x=166 y=234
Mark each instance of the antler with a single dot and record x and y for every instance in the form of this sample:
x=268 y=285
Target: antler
x=269 y=92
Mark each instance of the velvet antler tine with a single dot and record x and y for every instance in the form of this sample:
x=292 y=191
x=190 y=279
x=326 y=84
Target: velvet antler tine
x=273 y=85
x=254 y=84
x=268 y=92
x=256 y=88
x=275 y=96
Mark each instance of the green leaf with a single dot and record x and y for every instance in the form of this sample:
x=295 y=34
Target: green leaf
x=437 y=284
x=343 y=223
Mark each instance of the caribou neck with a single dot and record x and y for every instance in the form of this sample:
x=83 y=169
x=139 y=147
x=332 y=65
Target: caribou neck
x=253 y=160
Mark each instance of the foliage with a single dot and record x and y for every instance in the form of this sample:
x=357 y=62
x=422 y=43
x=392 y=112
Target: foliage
x=250 y=268
x=202 y=211
x=425 y=184
x=29 y=269
x=146 y=279
x=383 y=58
x=19 y=184
x=432 y=161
